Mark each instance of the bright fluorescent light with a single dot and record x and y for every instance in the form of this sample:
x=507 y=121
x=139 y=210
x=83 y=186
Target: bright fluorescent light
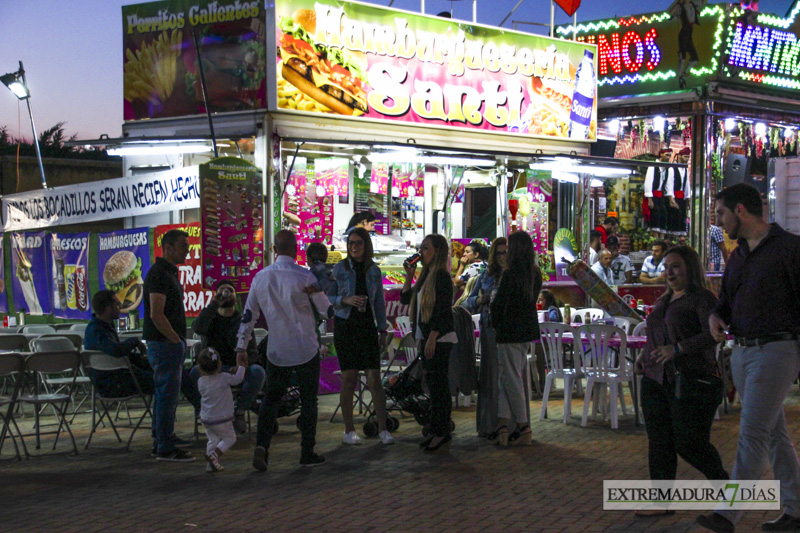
x=788 y=132
x=761 y=128
x=613 y=126
x=595 y=183
x=729 y=124
x=658 y=123
x=605 y=172
x=404 y=157
x=566 y=176
x=157 y=149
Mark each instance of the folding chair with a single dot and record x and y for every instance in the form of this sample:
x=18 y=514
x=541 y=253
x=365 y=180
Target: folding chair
x=63 y=342
x=105 y=363
x=38 y=329
x=79 y=329
x=44 y=344
x=42 y=364
x=13 y=342
x=10 y=363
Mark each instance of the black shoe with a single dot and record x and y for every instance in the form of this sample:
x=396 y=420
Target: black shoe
x=176 y=456
x=427 y=440
x=441 y=447
x=783 y=523
x=154 y=452
x=181 y=443
x=311 y=459
x=715 y=522
x=260 y=459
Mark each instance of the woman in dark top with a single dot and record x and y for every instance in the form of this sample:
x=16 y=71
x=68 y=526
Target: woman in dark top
x=550 y=307
x=478 y=302
x=431 y=316
x=516 y=324
x=681 y=389
x=356 y=294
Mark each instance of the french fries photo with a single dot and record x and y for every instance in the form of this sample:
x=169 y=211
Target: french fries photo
x=150 y=72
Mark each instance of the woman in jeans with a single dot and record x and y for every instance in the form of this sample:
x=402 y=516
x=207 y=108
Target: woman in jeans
x=356 y=293
x=681 y=389
x=516 y=325
x=431 y=316
x=478 y=302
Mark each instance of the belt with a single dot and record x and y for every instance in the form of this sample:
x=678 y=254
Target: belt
x=766 y=339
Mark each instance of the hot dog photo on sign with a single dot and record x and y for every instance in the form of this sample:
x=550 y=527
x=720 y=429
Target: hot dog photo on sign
x=367 y=62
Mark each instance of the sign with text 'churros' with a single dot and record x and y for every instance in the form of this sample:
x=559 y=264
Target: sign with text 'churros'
x=371 y=63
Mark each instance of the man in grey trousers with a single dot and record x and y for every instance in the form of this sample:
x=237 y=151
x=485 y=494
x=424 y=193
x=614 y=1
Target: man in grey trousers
x=759 y=304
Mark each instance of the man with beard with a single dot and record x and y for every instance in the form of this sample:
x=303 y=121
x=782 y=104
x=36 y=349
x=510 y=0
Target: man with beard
x=759 y=304
x=218 y=324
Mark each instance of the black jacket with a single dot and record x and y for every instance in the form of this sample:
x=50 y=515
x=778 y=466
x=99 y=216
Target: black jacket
x=219 y=332
x=513 y=319
x=442 y=316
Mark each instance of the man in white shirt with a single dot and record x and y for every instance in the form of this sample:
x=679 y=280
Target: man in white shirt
x=653 y=267
x=621 y=265
x=281 y=292
x=594 y=246
x=603 y=267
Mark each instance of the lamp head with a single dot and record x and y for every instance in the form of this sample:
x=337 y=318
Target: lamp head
x=14 y=82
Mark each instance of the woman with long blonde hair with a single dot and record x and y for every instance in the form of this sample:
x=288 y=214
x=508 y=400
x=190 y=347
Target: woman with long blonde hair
x=431 y=300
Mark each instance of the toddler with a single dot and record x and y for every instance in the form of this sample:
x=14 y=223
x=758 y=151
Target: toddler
x=216 y=405
x=316 y=256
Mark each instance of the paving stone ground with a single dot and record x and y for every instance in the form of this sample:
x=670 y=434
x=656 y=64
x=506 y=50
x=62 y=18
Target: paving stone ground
x=554 y=485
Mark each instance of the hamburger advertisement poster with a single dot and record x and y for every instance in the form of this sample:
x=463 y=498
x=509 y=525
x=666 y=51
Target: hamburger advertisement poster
x=123 y=259
x=161 y=65
x=364 y=62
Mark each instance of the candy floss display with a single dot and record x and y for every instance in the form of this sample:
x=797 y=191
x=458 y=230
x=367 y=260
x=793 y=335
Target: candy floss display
x=194 y=297
x=69 y=267
x=29 y=277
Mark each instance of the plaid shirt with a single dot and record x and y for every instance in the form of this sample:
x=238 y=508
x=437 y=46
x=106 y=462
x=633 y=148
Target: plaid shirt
x=715 y=236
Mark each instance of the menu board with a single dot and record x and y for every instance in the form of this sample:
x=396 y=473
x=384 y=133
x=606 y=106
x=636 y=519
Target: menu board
x=69 y=277
x=540 y=185
x=123 y=259
x=377 y=204
x=531 y=217
x=232 y=222
x=332 y=175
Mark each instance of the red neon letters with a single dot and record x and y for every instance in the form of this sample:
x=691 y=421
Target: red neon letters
x=628 y=52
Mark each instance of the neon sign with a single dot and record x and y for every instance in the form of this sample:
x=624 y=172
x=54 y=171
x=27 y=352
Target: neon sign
x=617 y=53
x=771 y=50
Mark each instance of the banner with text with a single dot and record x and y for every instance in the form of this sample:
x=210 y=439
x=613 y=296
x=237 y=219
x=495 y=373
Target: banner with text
x=30 y=280
x=366 y=62
x=123 y=259
x=69 y=275
x=194 y=297
x=3 y=294
x=154 y=192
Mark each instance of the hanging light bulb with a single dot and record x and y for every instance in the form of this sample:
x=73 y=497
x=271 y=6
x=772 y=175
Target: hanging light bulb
x=658 y=123
x=613 y=126
x=729 y=124
x=788 y=132
x=760 y=129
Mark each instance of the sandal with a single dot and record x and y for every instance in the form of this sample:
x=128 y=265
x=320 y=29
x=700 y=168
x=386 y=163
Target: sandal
x=442 y=446
x=427 y=440
x=499 y=436
x=521 y=437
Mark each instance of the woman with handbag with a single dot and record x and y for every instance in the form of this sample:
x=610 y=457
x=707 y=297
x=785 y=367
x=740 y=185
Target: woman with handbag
x=516 y=324
x=431 y=316
x=356 y=294
x=478 y=302
x=681 y=389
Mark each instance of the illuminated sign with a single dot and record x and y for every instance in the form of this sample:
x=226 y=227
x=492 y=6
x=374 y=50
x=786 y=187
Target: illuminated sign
x=360 y=62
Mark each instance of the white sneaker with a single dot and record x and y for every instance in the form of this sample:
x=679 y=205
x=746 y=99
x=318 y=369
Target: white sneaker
x=386 y=437
x=351 y=438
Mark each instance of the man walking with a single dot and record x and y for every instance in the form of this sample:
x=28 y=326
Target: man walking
x=759 y=304
x=279 y=292
x=165 y=332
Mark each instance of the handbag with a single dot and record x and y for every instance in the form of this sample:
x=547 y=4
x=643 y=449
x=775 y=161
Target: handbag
x=693 y=386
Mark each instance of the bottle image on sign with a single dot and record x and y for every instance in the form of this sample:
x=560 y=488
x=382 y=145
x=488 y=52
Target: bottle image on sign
x=82 y=288
x=580 y=115
x=72 y=293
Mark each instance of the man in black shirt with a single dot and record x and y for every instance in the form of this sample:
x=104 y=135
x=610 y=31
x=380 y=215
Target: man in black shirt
x=759 y=304
x=218 y=324
x=165 y=333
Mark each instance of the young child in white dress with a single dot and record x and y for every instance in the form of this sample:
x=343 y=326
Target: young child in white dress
x=216 y=406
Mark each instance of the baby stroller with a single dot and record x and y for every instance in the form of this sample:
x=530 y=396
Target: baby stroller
x=290 y=403
x=405 y=391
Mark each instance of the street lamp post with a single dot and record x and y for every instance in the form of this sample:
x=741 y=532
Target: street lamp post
x=16 y=83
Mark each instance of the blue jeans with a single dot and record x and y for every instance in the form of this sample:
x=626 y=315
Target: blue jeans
x=254 y=378
x=763 y=376
x=166 y=359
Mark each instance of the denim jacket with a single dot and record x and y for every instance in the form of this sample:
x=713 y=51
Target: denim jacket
x=344 y=284
x=484 y=284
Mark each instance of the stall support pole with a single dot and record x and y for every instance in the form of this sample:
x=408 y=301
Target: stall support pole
x=552 y=18
x=474 y=10
x=701 y=174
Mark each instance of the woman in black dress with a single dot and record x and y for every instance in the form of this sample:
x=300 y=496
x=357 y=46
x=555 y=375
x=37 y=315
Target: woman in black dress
x=431 y=314
x=357 y=295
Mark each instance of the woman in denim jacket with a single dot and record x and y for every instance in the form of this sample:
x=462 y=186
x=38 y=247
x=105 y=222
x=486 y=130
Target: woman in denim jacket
x=357 y=296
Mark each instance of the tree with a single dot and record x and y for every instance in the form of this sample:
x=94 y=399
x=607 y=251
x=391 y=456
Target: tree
x=51 y=144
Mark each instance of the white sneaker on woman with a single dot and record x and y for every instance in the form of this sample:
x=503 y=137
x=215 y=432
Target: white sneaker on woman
x=351 y=438
x=386 y=437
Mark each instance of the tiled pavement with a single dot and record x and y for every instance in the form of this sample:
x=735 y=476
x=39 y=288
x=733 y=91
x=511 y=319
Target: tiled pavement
x=554 y=485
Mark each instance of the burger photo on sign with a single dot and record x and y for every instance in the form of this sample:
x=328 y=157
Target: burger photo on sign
x=123 y=275
x=332 y=77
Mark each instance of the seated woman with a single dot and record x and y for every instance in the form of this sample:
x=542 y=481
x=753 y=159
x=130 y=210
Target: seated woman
x=219 y=324
x=549 y=305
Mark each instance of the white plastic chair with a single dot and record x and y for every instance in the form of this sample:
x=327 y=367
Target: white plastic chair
x=623 y=323
x=403 y=325
x=552 y=340
x=640 y=330
x=594 y=313
x=604 y=365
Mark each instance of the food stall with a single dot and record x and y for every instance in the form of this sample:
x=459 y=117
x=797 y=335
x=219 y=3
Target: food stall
x=724 y=101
